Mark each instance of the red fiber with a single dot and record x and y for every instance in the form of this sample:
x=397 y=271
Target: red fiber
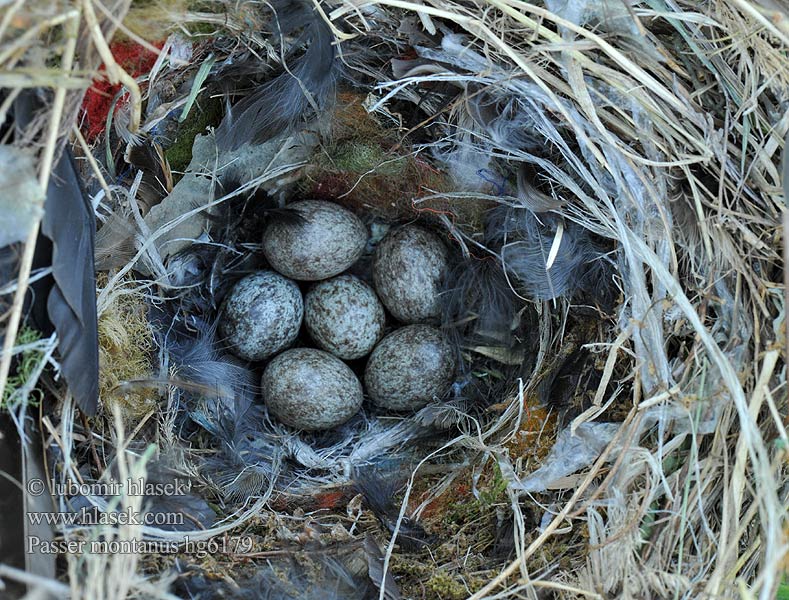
x=135 y=60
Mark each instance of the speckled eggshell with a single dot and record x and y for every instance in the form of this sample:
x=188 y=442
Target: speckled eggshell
x=261 y=315
x=310 y=389
x=409 y=367
x=344 y=316
x=407 y=269
x=329 y=241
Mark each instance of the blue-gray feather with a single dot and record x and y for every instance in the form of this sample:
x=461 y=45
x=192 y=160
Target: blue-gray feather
x=305 y=87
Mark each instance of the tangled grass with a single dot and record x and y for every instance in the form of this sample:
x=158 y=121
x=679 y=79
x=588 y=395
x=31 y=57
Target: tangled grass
x=657 y=126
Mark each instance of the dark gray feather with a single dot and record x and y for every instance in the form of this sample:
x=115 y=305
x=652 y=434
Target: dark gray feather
x=70 y=224
x=278 y=105
x=526 y=241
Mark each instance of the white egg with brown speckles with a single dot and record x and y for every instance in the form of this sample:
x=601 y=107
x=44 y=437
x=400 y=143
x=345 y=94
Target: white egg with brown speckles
x=261 y=315
x=344 y=316
x=408 y=267
x=409 y=368
x=311 y=390
x=328 y=241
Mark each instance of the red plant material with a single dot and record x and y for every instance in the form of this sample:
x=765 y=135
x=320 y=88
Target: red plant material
x=332 y=500
x=135 y=60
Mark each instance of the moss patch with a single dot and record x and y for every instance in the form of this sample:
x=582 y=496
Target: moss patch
x=205 y=112
x=125 y=347
x=367 y=166
x=26 y=364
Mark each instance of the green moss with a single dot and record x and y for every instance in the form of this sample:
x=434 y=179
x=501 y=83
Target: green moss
x=27 y=363
x=359 y=157
x=203 y=114
x=459 y=513
x=494 y=492
x=446 y=587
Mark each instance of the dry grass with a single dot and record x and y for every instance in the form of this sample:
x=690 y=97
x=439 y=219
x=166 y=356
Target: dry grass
x=666 y=124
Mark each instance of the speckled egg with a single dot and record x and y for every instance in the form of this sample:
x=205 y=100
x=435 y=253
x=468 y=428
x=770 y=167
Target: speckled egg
x=409 y=368
x=407 y=269
x=329 y=241
x=261 y=315
x=310 y=389
x=344 y=316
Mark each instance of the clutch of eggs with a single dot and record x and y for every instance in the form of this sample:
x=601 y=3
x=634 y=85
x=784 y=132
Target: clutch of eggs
x=313 y=389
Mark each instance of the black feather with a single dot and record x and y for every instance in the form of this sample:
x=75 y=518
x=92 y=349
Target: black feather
x=69 y=223
x=478 y=303
x=66 y=241
x=304 y=89
x=379 y=494
x=147 y=156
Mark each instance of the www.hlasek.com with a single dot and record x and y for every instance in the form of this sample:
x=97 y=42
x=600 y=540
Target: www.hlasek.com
x=91 y=516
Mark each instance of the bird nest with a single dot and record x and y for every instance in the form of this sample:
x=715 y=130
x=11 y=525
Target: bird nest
x=607 y=179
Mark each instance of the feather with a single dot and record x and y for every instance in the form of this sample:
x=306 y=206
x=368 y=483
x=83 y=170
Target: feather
x=115 y=243
x=505 y=122
x=568 y=380
x=307 y=574
x=548 y=257
x=66 y=241
x=246 y=462
x=71 y=305
x=532 y=198
x=375 y=570
x=278 y=105
x=157 y=180
x=379 y=493
x=478 y=303
x=115 y=240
